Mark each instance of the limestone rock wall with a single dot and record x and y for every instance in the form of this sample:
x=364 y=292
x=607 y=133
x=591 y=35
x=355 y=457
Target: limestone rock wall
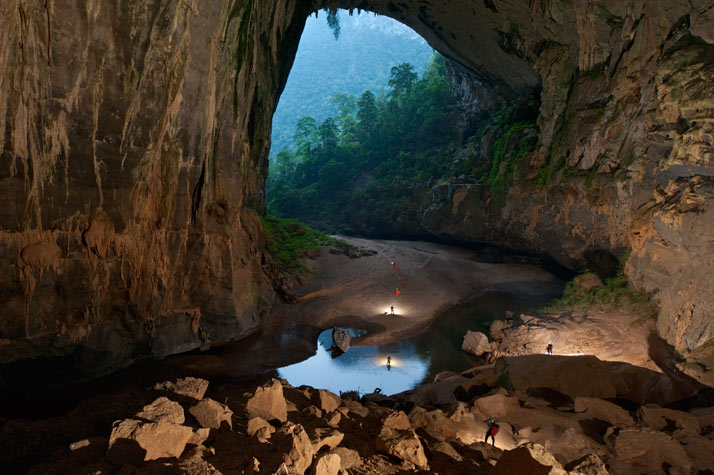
x=135 y=137
x=134 y=149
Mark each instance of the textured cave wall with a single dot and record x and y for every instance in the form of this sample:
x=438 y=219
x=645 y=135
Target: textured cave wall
x=134 y=152
x=134 y=149
x=626 y=140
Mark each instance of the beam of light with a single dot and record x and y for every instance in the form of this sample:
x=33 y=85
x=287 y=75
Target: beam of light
x=388 y=311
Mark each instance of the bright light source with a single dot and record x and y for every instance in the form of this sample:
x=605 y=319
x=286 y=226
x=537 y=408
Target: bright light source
x=382 y=361
x=388 y=311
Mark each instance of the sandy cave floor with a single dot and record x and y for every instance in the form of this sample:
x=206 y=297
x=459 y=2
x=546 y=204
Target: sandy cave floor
x=358 y=293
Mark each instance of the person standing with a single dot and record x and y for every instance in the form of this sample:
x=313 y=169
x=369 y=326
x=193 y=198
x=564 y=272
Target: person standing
x=549 y=348
x=491 y=431
x=392 y=307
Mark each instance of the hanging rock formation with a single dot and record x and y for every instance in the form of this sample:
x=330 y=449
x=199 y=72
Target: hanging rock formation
x=135 y=138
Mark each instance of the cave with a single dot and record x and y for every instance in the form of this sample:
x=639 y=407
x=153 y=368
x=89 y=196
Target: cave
x=135 y=143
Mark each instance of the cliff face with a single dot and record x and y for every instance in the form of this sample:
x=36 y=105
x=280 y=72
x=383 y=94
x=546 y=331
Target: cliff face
x=134 y=148
x=134 y=152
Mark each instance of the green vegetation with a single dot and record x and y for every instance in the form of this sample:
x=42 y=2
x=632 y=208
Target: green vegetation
x=364 y=165
x=360 y=59
x=289 y=241
x=615 y=293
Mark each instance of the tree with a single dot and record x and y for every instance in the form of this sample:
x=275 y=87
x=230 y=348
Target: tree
x=328 y=135
x=367 y=113
x=305 y=136
x=402 y=78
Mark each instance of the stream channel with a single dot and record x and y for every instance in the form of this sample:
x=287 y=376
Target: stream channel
x=414 y=361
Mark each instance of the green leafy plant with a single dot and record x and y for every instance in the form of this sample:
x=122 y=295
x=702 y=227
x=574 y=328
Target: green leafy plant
x=289 y=241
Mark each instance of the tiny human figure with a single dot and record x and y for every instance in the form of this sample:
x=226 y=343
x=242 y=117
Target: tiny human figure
x=491 y=431
x=389 y=363
x=392 y=307
x=397 y=292
x=394 y=266
x=401 y=280
x=549 y=348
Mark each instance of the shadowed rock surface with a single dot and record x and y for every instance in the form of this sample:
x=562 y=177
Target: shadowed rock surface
x=134 y=151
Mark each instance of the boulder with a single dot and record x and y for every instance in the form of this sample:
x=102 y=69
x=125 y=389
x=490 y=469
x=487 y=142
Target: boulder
x=496 y=405
x=194 y=388
x=325 y=400
x=587 y=282
x=588 y=465
x=312 y=411
x=646 y=451
x=133 y=441
x=212 y=414
x=294 y=447
x=542 y=456
x=397 y=420
x=520 y=461
x=574 y=376
x=199 y=436
x=260 y=428
x=328 y=464
x=441 y=428
x=700 y=451
x=496 y=329
x=604 y=410
x=333 y=419
x=356 y=408
x=341 y=338
x=669 y=420
x=476 y=343
x=445 y=448
x=348 y=458
x=402 y=444
x=268 y=402
x=326 y=438
x=163 y=409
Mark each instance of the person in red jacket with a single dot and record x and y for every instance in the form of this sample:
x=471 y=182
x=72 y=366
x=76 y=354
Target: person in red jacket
x=491 y=431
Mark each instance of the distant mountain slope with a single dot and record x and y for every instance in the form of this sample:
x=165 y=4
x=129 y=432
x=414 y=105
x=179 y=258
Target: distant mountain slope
x=369 y=45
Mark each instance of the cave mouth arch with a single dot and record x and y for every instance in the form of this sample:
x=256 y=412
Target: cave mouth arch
x=478 y=102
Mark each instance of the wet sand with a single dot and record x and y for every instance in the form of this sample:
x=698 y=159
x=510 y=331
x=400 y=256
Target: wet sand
x=358 y=293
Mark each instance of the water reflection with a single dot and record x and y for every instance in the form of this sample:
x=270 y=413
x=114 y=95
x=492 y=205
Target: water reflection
x=414 y=361
x=362 y=368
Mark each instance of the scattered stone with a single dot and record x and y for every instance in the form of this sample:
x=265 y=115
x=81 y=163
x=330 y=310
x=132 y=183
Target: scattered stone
x=134 y=441
x=396 y=420
x=402 y=444
x=194 y=388
x=257 y=423
x=292 y=442
x=312 y=411
x=333 y=419
x=542 y=456
x=199 y=436
x=90 y=450
x=341 y=338
x=348 y=458
x=446 y=449
x=328 y=464
x=496 y=329
x=326 y=438
x=356 y=408
x=476 y=343
x=212 y=414
x=163 y=409
x=604 y=410
x=268 y=402
x=325 y=400
x=588 y=465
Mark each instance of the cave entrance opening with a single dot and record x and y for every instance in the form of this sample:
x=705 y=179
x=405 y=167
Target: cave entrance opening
x=362 y=127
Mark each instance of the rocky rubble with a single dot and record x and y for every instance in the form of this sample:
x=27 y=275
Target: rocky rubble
x=540 y=432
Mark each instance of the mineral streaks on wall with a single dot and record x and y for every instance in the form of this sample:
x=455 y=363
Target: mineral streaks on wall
x=134 y=145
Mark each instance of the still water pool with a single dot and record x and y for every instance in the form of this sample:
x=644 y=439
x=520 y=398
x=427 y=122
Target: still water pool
x=415 y=360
